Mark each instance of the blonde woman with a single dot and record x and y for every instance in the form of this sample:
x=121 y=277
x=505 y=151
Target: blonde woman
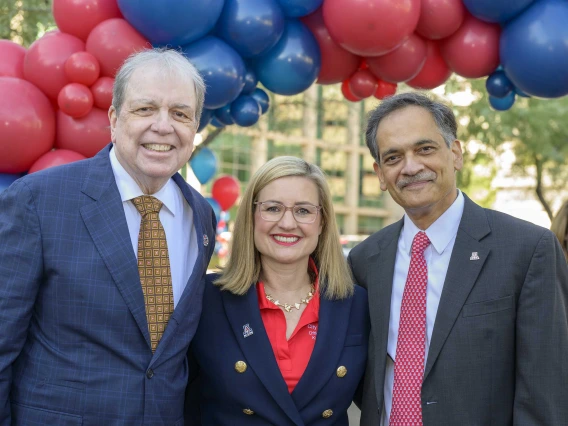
x=283 y=335
x=560 y=227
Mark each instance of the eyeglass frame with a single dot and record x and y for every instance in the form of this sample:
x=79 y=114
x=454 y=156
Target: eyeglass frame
x=286 y=208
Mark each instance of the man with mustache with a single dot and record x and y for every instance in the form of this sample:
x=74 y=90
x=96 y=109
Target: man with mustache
x=468 y=305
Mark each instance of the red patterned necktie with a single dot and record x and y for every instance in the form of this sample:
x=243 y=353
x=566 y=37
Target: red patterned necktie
x=410 y=347
x=154 y=268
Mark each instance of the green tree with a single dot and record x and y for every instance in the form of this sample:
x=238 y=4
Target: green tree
x=24 y=21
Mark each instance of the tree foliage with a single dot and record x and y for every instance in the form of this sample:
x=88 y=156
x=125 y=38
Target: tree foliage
x=23 y=21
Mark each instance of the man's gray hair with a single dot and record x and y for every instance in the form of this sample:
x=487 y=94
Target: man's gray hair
x=442 y=114
x=168 y=60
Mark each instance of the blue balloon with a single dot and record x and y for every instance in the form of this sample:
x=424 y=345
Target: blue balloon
x=262 y=98
x=502 y=104
x=245 y=110
x=250 y=81
x=520 y=93
x=298 y=8
x=216 y=123
x=251 y=27
x=534 y=49
x=221 y=67
x=223 y=115
x=204 y=165
x=498 y=85
x=293 y=64
x=496 y=10
x=215 y=206
x=6 y=180
x=172 y=22
x=206 y=115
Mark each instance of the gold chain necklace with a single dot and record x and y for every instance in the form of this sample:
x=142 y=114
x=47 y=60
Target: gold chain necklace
x=288 y=307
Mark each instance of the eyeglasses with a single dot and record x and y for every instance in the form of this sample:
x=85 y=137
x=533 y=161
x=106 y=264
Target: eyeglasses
x=273 y=212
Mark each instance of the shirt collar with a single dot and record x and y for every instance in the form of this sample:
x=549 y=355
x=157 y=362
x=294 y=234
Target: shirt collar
x=441 y=232
x=129 y=189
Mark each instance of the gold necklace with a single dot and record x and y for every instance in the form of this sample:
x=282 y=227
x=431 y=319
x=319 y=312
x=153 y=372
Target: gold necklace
x=288 y=307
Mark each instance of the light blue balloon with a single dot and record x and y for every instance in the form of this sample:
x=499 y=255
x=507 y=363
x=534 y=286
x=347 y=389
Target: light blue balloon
x=204 y=165
x=502 y=104
x=215 y=206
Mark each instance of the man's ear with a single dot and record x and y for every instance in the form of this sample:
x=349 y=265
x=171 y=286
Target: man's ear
x=380 y=175
x=112 y=117
x=458 y=155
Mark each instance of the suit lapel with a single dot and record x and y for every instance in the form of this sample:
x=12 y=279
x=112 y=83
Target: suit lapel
x=332 y=329
x=242 y=310
x=463 y=270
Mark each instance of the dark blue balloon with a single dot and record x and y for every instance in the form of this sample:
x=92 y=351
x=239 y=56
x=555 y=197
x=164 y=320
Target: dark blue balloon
x=262 y=98
x=298 y=8
x=6 y=180
x=498 y=85
x=216 y=123
x=520 y=93
x=215 y=206
x=252 y=27
x=222 y=68
x=245 y=110
x=293 y=64
x=496 y=10
x=223 y=115
x=204 y=165
x=172 y=22
x=250 y=81
x=502 y=104
x=534 y=49
x=206 y=115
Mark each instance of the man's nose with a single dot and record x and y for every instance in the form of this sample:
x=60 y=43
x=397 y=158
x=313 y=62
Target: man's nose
x=412 y=165
x=162 y=122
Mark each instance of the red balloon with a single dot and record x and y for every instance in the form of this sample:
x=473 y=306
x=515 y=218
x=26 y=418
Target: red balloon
x=337 y=64
x=347 y=94
x=102 y=92
x=473 y=50
x=75 y=100
x=45 y=60
x=82 y=67
x=12 y=63
x=27 y=125
x=54 y=158
x=370 y=27
x=440 y=18
x=385 y=89
x=363 y=84
x=225 y=191
x=403 y=63
x=434 y=72
x=86 y=135
x=112 y=41
x=79 y=17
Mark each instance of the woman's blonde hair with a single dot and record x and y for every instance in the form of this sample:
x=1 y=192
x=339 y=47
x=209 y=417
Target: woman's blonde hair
x=243 y=267
x=560 y=227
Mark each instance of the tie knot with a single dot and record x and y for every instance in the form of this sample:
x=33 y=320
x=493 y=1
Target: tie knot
x=420 y=242
x=147 y=204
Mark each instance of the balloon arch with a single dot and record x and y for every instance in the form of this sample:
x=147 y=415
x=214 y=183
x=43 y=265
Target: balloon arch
x=55 y=95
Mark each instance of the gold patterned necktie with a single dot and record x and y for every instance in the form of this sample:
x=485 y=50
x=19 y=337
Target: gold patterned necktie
x=154 y=267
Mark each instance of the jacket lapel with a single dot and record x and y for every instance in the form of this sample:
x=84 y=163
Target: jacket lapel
x=242 y=310
x=463 y=270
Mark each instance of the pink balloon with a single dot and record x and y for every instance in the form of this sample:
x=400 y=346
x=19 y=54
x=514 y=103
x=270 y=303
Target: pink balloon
x=473 y=50
x=12 y=63
x=102 y=92
x=363 y=84
x=27 y=125
x=112 y=41
x=337 y=64
x=370 y=27
x=385 y=89
x=75 y=100
x=79 y=17
x=45 y=60
x=347 y=94
x=83 y=68
x=440 y=18
x=225 y=191
x=86 y=135
x=54 y=158
x=434 y=72
x=403 y=63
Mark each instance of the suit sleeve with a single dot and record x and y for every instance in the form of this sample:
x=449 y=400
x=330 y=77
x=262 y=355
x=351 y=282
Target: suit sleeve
x=542 y=339
x=20 y=274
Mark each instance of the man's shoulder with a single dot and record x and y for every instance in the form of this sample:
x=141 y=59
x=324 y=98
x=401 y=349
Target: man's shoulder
x=507 y=225
x=65 y=175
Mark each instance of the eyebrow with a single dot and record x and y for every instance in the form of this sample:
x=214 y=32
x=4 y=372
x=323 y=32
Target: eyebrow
x=415 y=145
x=280 y=202
x=153 y=102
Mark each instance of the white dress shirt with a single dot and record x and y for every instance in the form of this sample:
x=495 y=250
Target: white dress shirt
x=442 y=234
x=176 y=216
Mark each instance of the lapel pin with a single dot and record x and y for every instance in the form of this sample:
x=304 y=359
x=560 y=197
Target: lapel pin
x=474 y=256
x=247 y=330
x=205 y=240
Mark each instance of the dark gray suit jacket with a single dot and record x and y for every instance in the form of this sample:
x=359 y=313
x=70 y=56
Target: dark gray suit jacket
x=499 y=348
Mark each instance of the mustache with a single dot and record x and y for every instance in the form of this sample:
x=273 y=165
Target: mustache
x=422 y=176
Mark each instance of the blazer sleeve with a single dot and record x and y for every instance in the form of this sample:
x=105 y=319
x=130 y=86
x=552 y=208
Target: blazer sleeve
x=542 y=339
x=20 y=276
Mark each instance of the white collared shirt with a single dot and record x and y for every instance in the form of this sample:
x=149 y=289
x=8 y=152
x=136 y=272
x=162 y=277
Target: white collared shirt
x=176 y=216
x=442 y=234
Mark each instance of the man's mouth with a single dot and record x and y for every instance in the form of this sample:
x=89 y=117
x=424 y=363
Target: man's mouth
x=157 y=147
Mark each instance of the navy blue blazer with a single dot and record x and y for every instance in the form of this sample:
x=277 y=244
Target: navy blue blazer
x=223 y=393
x=74 y=341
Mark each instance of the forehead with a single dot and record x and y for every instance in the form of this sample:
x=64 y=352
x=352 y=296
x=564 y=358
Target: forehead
x=407 y=125
x=290 y=189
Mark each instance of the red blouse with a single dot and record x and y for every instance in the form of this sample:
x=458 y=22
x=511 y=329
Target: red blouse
x=292 y=355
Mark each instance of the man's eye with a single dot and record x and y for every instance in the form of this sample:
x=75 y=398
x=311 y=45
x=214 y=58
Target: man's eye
x=181 y=114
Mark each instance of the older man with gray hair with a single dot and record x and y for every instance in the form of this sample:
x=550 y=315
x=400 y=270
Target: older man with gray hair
x=102 y=261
